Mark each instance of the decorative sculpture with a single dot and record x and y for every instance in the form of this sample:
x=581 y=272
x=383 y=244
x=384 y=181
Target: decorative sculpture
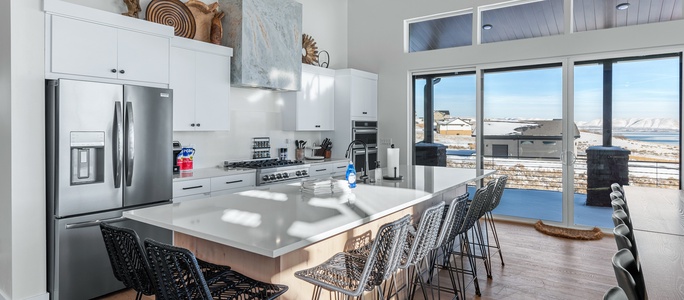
x=133 y=8
x=204 y=17
x=217 y=28
x=309 y=50
x=173 y=13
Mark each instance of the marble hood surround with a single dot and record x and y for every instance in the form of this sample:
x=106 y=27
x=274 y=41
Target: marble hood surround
x=266 y=37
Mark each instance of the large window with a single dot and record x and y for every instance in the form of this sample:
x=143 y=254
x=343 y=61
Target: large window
x=444 y=106
x=438 y=33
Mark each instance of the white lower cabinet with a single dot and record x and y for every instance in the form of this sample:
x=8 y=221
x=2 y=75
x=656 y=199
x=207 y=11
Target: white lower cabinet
x=213 y=186
x=191 y=189
x=232 y=184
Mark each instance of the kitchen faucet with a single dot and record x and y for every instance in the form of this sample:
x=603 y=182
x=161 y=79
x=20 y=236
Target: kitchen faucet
x=364 y=177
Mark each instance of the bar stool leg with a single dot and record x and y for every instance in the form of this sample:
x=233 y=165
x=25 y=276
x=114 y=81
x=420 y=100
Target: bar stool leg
x=496 y=236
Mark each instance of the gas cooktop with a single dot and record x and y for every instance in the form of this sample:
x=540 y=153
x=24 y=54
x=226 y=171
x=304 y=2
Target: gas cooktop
x=263 y=163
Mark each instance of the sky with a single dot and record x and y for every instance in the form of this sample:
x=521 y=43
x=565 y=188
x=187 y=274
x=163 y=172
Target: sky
x=641 y=89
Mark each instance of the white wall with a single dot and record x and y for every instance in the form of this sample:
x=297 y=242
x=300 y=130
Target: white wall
x=22 y=207
x=376 y=40
x=5 y=166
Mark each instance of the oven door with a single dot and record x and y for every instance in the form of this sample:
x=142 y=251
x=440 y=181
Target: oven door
x=359 y=158
x=366 y=135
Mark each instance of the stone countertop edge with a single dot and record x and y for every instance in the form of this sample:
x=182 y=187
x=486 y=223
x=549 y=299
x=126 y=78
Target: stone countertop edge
x=209 y=173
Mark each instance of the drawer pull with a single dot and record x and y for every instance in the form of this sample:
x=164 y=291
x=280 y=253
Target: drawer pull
x=341 y=167
x=320 y=170
x=193 y=187
x=234 y=181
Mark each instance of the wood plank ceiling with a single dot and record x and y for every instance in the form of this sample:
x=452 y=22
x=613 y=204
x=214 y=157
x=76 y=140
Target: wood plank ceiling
x=538 y=19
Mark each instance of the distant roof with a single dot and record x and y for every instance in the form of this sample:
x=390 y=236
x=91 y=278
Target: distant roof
x=526 y=128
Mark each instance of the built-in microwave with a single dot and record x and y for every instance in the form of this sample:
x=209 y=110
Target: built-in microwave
x=367 y=132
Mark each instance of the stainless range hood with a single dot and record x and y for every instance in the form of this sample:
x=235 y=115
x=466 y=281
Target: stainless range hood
x=266 y=37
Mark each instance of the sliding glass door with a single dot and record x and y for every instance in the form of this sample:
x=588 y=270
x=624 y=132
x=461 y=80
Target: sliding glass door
x=628 y=114
x=522 y=138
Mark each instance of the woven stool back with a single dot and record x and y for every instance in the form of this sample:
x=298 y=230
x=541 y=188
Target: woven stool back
x=426 y=236
x=177 y=272
x=386 y=252
x=127 y=258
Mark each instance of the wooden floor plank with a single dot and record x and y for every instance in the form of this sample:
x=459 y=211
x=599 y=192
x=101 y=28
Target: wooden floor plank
x=537 y=267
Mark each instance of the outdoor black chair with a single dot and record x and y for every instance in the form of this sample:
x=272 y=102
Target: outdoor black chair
x=179 y=277
x=615 y=293
x=629 y=277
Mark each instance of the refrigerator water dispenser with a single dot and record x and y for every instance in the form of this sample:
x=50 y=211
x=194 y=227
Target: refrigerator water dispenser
x=87 y=157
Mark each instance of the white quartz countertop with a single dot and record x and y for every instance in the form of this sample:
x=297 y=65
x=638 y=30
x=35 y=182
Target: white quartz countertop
x=209 y=173
x=281 y=219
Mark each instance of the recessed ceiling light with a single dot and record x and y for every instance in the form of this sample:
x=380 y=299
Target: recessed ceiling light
x=622 y=6
x=487 y=26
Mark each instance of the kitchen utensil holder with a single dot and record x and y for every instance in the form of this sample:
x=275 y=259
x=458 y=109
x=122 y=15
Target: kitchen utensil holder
x=261 y=147
x=299 y=154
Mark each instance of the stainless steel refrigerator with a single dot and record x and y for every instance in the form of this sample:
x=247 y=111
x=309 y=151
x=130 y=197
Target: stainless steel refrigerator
x=108 y=150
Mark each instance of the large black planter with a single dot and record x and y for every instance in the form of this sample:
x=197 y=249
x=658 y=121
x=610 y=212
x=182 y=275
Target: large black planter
x=605 y=165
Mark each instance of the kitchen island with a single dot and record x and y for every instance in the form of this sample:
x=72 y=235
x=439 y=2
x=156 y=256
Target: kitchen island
x=268 y=234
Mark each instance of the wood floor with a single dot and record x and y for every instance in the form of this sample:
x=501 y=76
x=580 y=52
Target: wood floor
x=537 y=267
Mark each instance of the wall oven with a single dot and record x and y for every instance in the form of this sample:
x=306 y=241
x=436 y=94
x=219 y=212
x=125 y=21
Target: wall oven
x=367 y=132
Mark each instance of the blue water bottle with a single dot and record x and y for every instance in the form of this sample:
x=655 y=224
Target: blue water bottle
x=351 y=175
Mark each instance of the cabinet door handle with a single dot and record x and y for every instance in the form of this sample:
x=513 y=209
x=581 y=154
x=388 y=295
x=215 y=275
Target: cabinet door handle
x=122 y=71
x=365 y=112
x=192 y=125
x=318 y=126
x=113 y=70
x=192 y=187
x=198 y=124
x=234 y=181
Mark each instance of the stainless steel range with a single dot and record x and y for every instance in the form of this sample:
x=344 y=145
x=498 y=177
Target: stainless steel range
x=271 y=171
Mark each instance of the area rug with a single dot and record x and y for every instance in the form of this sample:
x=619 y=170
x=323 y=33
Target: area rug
x=569 y=233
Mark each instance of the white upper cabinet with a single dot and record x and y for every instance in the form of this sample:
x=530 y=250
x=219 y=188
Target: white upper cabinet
x=200 y=79
x=84 y=48
x=364 y=97
x=313 y=108
x=357 y=90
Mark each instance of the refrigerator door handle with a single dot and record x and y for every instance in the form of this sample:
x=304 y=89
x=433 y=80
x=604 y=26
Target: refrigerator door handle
x=118 y=143
x=130 y=133
x=94 y=223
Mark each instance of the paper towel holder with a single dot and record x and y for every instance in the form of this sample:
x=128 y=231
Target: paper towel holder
x=392 y=174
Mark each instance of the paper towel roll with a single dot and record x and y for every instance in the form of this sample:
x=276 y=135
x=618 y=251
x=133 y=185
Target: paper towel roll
x=393 y=161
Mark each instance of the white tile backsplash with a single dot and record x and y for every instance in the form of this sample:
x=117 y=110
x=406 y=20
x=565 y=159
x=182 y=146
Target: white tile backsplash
x=253 y=113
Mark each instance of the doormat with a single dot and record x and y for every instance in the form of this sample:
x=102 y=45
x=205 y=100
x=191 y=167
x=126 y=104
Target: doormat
x=569 y=233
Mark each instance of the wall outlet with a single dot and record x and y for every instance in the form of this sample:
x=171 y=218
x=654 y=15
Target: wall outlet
x=385 y=142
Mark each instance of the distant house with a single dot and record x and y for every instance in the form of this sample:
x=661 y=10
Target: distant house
x=441 y=115
x=455 y=126
x=525 y=139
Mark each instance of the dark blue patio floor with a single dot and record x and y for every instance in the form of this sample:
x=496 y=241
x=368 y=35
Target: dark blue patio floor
x=547 y=206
